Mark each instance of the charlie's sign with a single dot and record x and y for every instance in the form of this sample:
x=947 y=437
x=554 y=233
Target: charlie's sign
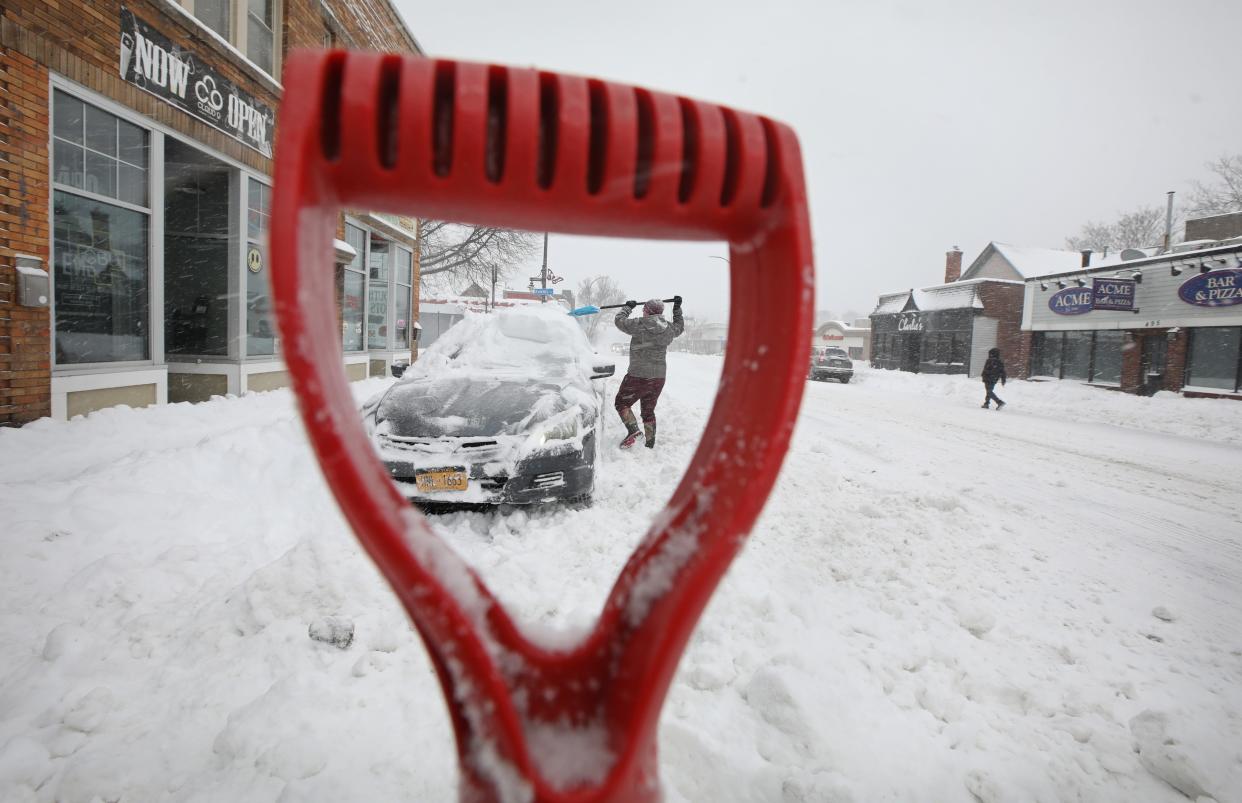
x=1070 y=301
x=150 y=61
x=1220 y=288
x=1115 y=294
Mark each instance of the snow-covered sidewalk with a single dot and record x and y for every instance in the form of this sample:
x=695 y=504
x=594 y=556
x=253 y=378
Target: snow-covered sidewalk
x=940 y=603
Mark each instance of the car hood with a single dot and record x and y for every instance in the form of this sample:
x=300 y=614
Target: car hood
x=466 y=406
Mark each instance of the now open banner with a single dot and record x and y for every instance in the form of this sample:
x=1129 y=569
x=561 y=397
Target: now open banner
x=151 y=62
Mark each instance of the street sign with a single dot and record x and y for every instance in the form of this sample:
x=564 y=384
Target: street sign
x=544 y=291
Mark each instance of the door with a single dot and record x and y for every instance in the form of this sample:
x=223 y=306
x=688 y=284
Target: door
x=1152 y=365
x=911 y=348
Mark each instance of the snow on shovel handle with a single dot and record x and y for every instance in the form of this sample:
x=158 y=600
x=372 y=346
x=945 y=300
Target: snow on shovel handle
x=591 y=309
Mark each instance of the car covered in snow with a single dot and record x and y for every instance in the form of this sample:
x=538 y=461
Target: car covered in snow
x=830 y=362
x=503 y=408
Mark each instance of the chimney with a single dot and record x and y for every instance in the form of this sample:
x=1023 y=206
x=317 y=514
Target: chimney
x=1086 y=257
x=953 y=265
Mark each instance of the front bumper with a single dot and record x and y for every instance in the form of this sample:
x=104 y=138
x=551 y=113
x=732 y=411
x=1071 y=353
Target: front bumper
x=495 y=476
x=820 y=373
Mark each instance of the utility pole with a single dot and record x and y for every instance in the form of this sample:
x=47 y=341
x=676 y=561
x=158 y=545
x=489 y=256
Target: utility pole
x=493 y=288
x=543 y=273
x=1168 y=225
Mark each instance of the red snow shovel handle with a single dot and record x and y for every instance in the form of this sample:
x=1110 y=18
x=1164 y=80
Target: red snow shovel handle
x=541 y=151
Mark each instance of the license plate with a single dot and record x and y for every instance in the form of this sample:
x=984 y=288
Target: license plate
x=449 y=480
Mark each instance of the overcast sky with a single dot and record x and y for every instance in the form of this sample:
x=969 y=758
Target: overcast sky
x=923 y=125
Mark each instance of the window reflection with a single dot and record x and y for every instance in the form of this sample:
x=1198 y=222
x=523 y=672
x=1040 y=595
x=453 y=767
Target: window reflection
x=100 y=274
x=196 y=251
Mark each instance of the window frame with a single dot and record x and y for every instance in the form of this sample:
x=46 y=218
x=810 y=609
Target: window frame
x=361 y=270
x=239 y=19
x=1190 y=352
x=155 y=232
x=245 y=241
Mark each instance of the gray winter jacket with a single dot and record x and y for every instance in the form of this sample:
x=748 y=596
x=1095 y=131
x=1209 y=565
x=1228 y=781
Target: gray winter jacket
x=650 y=336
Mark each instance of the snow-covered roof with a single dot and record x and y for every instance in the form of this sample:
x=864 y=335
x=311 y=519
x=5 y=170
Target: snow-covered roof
x=954 y=295
x=843 y=327
x=1030 y=261
x=892 y=302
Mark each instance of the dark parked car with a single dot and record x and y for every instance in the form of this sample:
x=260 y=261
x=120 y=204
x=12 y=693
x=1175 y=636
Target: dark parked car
x=829 y=362
x=501 y=409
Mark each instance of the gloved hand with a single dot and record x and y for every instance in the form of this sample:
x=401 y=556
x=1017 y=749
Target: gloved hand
x=631 y=304
x=676 y=301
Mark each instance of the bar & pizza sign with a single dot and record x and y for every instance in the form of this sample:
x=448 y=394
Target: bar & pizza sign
x=1218 y=288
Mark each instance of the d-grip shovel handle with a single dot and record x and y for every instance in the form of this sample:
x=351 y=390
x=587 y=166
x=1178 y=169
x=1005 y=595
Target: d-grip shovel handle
x=535 y=150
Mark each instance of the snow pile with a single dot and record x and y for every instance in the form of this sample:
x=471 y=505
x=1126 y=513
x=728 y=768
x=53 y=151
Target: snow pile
x=940 y=603
x=1069 y=401
x=528 y=338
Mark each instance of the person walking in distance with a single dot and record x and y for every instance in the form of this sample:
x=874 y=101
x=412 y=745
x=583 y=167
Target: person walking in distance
x=650 y=337
x=993 y=370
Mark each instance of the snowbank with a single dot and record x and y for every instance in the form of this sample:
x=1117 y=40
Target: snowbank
x=940 y=603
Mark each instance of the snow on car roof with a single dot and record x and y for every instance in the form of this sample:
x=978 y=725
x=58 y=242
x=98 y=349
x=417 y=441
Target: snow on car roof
x=540 y=339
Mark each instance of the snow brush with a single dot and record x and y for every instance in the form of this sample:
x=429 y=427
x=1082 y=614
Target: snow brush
x=591 y=309
x=541 y=151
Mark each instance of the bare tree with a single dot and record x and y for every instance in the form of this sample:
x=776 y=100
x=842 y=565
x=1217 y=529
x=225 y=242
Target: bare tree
x=1222 y=195
x=597 y=291
x=1137 y=229
x=464 y=253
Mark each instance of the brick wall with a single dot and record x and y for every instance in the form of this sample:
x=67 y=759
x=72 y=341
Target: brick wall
x=25 y=362
x=1004 y=303
x=79 y=40
x=1131 y=361
x=1175 y=370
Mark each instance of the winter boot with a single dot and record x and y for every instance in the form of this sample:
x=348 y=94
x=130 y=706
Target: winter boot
x=649 y=433
x=631 y=427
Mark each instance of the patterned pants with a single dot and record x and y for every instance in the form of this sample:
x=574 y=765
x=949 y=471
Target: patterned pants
x=642 y=390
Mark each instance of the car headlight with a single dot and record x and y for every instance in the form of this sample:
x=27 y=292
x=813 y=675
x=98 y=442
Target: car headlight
x=560 y=430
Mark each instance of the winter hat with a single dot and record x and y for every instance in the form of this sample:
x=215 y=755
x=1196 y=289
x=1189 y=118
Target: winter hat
x=653 y=307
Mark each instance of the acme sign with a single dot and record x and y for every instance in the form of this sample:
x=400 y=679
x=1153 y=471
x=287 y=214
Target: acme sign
x=1220 y=288
x=150 y=61
x=1114 y=294
x=1071 y=301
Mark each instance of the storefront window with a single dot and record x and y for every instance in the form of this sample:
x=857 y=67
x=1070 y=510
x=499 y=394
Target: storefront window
x=403 y=275
x=961 y=341
x=100 y=249
x=98 y=152
x=353 y=279
x=1213 y=361
x=101 y=275
x=1106 y=360
x=1076 y=362
x=261 y=336
x=1046 y=359
x=377 y=295
x=196 y=251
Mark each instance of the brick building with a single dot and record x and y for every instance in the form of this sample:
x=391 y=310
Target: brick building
x=948 y=328
x=1144 y=322
x=135 y=169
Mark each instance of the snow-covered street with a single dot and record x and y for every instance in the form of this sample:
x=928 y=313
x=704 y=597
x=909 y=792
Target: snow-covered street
x=941 y=603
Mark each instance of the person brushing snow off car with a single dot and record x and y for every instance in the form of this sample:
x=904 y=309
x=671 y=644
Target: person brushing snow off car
x=993 y=370
x=650 y=337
